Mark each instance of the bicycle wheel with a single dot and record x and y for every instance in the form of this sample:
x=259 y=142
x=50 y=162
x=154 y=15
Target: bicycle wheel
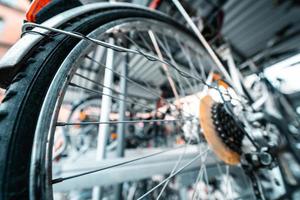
x=53 y=75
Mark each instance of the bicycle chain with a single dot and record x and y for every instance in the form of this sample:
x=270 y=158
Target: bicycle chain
x=257 y=191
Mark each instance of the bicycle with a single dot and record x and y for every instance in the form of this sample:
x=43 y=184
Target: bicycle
x=42 y=71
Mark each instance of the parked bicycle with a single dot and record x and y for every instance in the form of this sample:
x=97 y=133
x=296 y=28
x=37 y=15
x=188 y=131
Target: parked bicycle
x=81 y=50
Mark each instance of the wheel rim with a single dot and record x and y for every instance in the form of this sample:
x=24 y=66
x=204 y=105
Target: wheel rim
x=50 y=111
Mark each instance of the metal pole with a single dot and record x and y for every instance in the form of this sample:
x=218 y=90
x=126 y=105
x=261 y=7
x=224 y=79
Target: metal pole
x=103 y=130
x=226 y=54
x=122 y=126
x=122 y=108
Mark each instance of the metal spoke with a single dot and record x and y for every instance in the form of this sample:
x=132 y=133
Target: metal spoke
x=206 y=180
x=189 y=60
x=228 y=184
x=119 y=122
x=164 y=66
x=103 y=86
x=199 y=177
x=184 y=74
x=174 y=168
x=154 y=40
x=119 y=99
x=166 y=49
x=114 y=97
x=158 y=52
x=58 y=180
x=99 y=84
x=138 y=85
x=171 y=176
x=127 y=78
x=171 y=64
x=118 y=48
x=144 y=41
x=168 y=52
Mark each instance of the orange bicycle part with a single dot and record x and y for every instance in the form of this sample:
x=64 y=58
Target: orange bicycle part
x=35 y=7
x=211 y=135
x=217 y=78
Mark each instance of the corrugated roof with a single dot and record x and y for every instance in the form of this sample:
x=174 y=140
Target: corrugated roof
x=249 y=25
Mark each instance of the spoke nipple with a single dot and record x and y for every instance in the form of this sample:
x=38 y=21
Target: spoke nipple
x=57 y=180
x=72 y=84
